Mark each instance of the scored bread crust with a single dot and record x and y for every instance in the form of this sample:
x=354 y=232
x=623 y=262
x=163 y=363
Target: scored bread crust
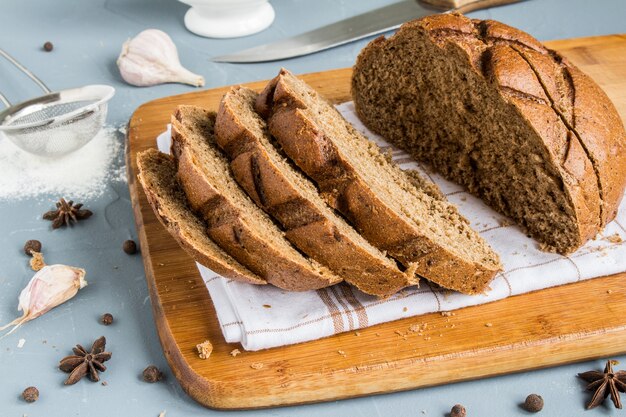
x=226 y=223
x=157 y=175
x=314 y=152
x=577 y=124
x=318 y=233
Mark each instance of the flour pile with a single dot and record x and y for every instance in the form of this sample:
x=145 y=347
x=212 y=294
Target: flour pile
x=82 y=175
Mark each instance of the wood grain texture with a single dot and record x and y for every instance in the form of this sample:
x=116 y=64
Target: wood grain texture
x=549 y=327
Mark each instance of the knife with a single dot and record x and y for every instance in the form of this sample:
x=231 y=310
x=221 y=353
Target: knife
x=358 y=27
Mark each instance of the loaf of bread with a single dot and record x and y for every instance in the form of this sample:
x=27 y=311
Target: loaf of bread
x=491 y=108
x=385 y=204
x=293 y=201
x=157 y=174
x=234 y=221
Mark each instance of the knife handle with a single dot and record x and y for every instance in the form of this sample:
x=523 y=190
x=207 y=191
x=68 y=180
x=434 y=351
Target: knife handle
x=466 y=6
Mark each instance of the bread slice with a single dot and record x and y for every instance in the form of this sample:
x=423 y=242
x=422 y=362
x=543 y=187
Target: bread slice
x=157 y=174
x=380 y=200
x=235 y=223
x=491 y=108
x=283 y=192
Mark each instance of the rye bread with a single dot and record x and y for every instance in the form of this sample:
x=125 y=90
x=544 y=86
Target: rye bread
x=384 y=203
x=283 y=192
x=157 y=175
x=234 y=222
x=491 y=108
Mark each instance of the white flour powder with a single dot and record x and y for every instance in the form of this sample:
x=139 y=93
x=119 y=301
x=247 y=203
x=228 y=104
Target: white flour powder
x=81 y=175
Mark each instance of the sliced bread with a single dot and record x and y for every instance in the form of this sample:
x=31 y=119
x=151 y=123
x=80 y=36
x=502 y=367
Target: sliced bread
x=384 y=203
x=235 y=223
x=157 y=174
x=283 y=192
x=491 y=108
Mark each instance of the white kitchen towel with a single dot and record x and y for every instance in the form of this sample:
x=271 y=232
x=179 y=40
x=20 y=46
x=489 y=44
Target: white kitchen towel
x=265 y=317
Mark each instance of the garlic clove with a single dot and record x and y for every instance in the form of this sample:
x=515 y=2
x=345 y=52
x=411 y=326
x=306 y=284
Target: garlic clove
x=151 y=58
x=49 y=287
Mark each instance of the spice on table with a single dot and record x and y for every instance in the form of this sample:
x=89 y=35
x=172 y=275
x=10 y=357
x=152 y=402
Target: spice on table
x=106 y=319
x=458 y=411
x=49 y=287
x=32 y=246
x=30 y=394
x=130 y=247
x=66 y=213
x=604 y=384
x=37 y=262
x=48 y=46
x=85 y=362
x=204 y=349
x=152 y=374
x=533 y=403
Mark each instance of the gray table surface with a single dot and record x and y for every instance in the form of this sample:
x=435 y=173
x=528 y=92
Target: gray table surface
x=87 y=36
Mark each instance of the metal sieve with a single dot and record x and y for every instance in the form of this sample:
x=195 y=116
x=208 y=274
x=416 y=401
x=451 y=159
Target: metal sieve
x=57 y=123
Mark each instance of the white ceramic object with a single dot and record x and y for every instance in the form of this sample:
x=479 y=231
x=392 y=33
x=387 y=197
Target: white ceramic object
x=228 y=18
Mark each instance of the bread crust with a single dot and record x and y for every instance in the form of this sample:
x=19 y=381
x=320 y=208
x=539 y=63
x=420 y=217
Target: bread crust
x=345 y=190
x=579 y=126
x=197 y=245
x=227 y=226
x=307 y=226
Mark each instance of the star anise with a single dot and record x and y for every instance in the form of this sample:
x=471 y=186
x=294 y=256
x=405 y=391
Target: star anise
x=85 y=363
x=66 y=213
x=604 y=384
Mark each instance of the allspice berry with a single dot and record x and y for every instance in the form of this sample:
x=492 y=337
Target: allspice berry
x=32 y=246
x=48 y=47
x=152 y=374
x=30 y=394
x=130 y=247
x=106 y=319
x=458 y=411
x=533 y=403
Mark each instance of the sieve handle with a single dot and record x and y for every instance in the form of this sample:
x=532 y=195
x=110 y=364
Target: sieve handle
x=5 y=101
x=25 y=71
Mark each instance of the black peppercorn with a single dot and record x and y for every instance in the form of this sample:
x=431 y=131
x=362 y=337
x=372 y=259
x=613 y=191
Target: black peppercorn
x=48 y=46
x=130 y=247
x=152 y=374
x=32 y=246
x=106 y=319
x=30 y=394
x=533 y=403
x=458 y=411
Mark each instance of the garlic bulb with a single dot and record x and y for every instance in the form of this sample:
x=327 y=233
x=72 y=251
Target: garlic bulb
x=151 y=58
x=50 y=286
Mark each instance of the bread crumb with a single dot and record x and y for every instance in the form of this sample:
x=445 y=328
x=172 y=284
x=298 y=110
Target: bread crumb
x=37 y=262
x=357 y=333
x=447 y=314
x=161 y=264
x=342 y=353
x=104 y=383
x=488 y=324
x=204 y=349
x=235 y=352
x=267 y=306
x=614 y=238
x=162 y=413
x=504 y=222
x=405 y=309
x=256 y=365
x=609 y=291
x=377 y=334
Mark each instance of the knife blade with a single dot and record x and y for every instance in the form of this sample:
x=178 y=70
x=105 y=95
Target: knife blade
x=354 y=28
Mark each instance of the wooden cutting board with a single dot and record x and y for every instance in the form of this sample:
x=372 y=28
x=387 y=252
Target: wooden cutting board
x=554 y=326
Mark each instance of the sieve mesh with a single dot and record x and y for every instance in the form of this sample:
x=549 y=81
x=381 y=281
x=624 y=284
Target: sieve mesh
x=41 y=112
